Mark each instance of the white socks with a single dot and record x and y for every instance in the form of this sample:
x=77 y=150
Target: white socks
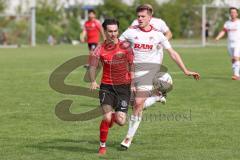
x=150 y=101
x=236 y=68
x=134 y=122
x=102 y=144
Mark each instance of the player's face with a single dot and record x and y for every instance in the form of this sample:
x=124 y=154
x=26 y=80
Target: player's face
x=233 y=14
x=111 y=32
x=91 y=15
x=143 y=18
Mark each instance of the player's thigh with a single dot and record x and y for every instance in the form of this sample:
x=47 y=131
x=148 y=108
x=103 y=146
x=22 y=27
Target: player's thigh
x=123 y=94
x=106 y=98
x=121 y=117
x=107 y=112
x=92 y=46
x=236 y=53
x=144 y=75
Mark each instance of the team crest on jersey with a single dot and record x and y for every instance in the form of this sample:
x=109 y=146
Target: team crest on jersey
x=119 y=54
x=136 y=37
x=151 y=39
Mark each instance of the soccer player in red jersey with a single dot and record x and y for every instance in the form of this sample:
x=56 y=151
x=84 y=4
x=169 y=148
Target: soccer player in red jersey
x=91 y=31
x=117 y=61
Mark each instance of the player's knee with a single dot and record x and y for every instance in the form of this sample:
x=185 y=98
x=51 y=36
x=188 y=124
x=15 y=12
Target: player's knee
x=236 y=61
x=120 y=120
x=107 y=117
x=138 y=105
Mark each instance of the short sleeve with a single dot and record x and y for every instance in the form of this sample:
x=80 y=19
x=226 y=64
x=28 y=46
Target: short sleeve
x=165 y=43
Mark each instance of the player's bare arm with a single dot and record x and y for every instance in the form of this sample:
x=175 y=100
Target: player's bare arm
x=92 y=72
x=83 y=36
x=220 y=35
x=102 y=33
x=178 y=60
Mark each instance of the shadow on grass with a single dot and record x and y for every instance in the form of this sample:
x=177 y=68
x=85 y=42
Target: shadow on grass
x=72 y=145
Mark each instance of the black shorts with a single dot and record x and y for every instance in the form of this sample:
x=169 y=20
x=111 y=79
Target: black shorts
x=92 y=46
x=117 y=96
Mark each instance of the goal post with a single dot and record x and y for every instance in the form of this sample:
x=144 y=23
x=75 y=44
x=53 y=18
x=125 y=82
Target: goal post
x=215 y=16
x=202 y=25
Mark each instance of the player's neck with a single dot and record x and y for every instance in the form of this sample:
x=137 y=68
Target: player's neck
x=234 y=19
x=115 y=41
x=92 y=19
x=147 y=28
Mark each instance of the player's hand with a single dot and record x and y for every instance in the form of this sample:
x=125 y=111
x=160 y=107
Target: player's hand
x=133 y=88
x=195 y=75
x=82 y=40
x=94 y=86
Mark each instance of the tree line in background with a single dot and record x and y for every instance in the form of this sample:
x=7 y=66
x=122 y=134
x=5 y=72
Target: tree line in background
x=182 y=16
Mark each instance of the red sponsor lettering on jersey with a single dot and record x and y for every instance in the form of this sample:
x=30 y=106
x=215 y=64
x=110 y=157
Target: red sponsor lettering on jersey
x=143 y=46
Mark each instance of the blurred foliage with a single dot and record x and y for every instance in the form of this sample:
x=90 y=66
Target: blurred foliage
x=54 y=20
x=2 y=5
x=182 y=16
x=119 y=10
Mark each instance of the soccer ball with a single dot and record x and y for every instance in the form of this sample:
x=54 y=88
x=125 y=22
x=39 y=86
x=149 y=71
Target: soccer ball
x=163 y=82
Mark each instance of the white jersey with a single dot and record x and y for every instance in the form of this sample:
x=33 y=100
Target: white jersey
x=146 y=45
x=233 y=31
x=156 y=23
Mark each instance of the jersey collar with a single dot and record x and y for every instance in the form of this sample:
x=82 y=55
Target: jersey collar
x=146 y=30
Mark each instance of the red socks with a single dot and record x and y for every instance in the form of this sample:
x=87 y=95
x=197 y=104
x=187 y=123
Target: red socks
x=112 y=120
x=104 y=127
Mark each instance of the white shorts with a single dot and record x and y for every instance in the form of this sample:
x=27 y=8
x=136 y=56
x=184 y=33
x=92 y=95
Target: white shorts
x=234 y=51
x=144 y=75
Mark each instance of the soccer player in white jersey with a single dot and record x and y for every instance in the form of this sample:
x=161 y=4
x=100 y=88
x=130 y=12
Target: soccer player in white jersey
x=232 y=28
x=161 y=25
x=146 y=44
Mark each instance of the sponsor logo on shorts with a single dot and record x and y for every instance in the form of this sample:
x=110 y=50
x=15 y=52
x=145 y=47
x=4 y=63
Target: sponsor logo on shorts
x=124 y=104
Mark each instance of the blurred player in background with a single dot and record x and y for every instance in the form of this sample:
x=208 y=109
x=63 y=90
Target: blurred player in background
x=147 y=43
x=232 y=28
x=161 y=25
x=117 y=61
x=92 y=30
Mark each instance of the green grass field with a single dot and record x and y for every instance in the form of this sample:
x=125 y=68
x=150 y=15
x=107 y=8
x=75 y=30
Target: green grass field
x=202 y=117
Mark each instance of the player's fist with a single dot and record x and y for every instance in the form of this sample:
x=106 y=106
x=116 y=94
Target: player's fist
x=93 y=85
x=194 y=74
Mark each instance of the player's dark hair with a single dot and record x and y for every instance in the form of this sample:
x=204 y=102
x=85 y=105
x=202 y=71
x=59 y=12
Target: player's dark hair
x=233 y=8
x=109 y=21
x=144 y=7
x=91 y=11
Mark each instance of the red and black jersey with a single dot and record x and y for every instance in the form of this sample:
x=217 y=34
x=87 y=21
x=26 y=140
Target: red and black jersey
x=116 y=59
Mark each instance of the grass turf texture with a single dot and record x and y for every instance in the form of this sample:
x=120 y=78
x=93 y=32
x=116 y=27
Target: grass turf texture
x=200 y=120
